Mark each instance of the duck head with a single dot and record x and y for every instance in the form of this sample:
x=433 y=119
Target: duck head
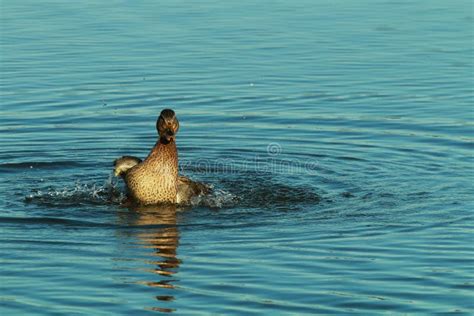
x=167 y=126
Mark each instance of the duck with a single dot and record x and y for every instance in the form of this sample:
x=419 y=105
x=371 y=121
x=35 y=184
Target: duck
x=155 y=180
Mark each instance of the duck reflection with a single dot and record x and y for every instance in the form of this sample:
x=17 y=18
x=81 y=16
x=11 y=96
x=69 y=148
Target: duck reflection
x=156 y=228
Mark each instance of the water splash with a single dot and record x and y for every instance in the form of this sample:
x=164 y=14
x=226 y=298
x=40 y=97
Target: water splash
x=79 y=194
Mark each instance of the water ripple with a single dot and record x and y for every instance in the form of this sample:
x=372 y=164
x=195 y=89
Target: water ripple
x=338 y=142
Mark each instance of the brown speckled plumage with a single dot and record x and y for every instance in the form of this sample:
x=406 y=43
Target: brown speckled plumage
x=155 y=180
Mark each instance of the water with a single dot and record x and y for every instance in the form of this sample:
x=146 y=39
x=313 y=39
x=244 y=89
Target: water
x=338 y=137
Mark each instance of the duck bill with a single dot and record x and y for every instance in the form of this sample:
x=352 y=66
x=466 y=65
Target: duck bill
x=169 y=135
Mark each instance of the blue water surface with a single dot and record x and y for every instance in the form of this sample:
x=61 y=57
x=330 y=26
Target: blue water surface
x=338 y=137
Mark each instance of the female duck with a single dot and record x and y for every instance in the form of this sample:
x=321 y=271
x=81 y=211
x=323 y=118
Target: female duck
x=155 y=180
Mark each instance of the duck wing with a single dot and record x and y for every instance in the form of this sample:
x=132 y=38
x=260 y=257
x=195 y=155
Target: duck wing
x=123 y=164
x=195 y=187
x=188 y=188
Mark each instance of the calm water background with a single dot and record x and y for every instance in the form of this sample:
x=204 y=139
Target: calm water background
x=338 y=136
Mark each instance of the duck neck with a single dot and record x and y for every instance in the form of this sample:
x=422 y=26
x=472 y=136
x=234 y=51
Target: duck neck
x=165 y=154
x=161 y=147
